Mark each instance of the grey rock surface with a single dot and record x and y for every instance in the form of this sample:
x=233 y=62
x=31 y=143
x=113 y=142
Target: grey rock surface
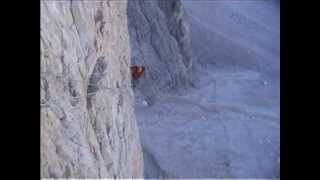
x=88 y=127
x=160 y=41
x=228 y=126
x=236 y=33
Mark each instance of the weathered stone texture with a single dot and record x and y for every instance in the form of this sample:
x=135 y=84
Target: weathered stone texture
x=160 y=41
x=88 y=127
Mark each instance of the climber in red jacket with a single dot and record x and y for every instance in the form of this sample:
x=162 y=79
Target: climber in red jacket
x=136 y=73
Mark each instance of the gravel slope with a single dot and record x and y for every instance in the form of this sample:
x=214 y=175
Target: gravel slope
x=228 y=126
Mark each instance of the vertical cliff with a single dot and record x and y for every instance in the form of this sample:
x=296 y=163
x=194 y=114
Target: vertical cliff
x=88 y=127
x=160 y=41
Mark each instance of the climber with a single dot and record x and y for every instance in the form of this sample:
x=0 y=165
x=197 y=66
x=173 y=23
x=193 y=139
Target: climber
x=136 y=73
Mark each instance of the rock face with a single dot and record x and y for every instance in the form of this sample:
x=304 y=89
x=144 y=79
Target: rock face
x=160 y=41
x=226 y=33
x=88 y=127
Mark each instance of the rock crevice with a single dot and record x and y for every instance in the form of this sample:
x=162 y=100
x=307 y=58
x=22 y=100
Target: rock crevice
x=160 y=41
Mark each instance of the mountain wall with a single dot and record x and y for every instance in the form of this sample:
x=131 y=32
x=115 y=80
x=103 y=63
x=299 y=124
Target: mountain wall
x=160 y=41
x=88 y=126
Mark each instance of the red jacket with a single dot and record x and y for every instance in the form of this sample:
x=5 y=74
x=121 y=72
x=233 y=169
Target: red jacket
x=137 y=71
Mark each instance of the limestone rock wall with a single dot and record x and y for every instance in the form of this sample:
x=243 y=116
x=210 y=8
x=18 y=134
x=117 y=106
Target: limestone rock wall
x=88 y=127
x=160 y=41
